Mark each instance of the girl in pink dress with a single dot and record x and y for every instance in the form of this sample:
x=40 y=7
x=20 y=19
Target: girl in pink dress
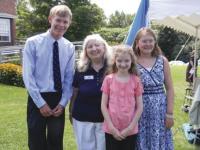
x=121 y=100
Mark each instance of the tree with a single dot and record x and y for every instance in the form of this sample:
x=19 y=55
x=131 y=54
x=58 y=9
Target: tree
x=23 y=21
x=120 y=20
x=171 y=42
x=86 y=17
x=74 y=3
x=167 y=39
x=32 y=16
x=117 y=27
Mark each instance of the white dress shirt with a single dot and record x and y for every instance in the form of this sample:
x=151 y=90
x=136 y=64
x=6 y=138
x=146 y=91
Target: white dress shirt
x=38 y=67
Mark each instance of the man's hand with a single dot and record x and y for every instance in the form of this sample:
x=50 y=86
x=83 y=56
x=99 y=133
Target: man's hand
x=46 y=111
x=58 y=110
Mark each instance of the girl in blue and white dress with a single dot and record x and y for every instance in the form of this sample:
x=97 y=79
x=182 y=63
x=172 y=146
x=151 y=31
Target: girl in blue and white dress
x=158 y=97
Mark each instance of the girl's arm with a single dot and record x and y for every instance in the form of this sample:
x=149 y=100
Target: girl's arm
x=104 y=104
x=71 y=104
x=169 y=121
x=138 y=112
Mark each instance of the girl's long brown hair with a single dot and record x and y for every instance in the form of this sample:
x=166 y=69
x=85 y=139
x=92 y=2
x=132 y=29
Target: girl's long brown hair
x=143 y=31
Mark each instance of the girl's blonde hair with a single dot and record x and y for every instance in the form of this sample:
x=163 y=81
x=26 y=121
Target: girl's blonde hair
x=84 y=60
x=61 y=10
x=143 y=31
x=119 y=50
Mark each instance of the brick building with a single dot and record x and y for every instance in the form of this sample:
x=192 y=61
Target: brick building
x=7 y=22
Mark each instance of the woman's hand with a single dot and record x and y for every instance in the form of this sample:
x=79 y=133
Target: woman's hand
x=169 y=122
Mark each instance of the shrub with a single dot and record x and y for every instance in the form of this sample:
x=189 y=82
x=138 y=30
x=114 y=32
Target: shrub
x=113 y=35
x=11 y=74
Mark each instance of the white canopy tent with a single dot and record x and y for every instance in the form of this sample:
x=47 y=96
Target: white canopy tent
x=187 y=24
x=181 y=15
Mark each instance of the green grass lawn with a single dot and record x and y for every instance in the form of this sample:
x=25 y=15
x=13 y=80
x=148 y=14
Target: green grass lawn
x=13 y=130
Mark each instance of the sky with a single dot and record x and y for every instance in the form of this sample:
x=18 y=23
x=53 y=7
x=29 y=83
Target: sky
x=110 y=6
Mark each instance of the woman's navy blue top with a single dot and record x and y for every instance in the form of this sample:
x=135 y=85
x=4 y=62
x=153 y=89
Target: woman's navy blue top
x=87 y=105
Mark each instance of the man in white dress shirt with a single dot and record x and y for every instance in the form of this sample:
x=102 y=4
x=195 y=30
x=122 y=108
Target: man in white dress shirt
x=48 y=67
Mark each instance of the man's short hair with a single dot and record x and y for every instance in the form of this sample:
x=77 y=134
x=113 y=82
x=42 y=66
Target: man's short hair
x=61 y=10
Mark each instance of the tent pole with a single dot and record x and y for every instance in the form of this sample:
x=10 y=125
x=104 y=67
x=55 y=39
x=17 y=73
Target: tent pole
x=182 y=48
x=195 y=56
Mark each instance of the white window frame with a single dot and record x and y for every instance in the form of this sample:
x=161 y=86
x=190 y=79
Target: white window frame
x=5 y=30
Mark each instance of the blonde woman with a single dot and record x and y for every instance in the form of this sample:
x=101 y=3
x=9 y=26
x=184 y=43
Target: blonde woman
x=85 y=106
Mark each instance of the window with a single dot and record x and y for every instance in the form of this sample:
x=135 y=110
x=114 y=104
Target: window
x=5 y=30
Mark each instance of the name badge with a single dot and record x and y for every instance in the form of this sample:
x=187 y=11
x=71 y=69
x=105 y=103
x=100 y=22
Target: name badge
x=89 y=77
